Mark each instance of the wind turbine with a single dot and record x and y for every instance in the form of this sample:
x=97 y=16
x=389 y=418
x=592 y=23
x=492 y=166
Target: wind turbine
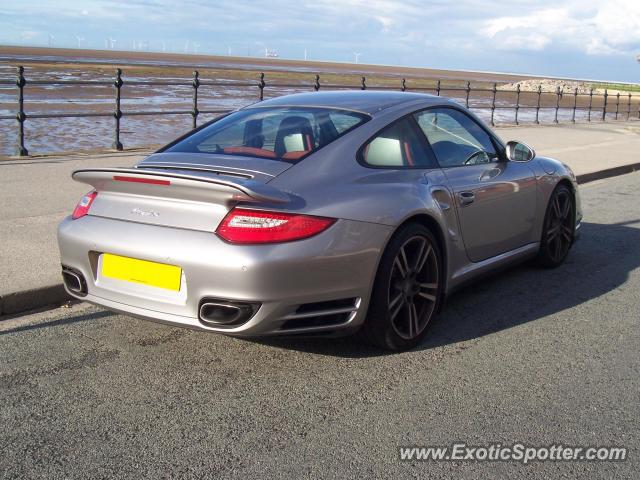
x=229 y=50
x=112 y=43
x=196 y=46
x=80 y=40
x=305 y=54
x=357 y=55
x=51 y=39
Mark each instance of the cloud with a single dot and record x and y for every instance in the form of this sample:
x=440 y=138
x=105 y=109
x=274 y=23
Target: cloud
x=544 y=19
x=386 y=22
x=604 y=28
x=29 y=34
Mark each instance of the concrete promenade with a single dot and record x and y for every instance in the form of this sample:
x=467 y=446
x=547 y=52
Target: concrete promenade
x=36 y=193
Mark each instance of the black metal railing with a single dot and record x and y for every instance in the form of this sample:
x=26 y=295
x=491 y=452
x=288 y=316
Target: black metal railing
x=490 y=99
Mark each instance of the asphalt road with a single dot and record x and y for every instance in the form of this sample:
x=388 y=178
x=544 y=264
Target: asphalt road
x=532 y=356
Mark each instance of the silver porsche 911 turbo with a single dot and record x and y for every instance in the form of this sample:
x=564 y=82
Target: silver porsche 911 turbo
x=320 y=213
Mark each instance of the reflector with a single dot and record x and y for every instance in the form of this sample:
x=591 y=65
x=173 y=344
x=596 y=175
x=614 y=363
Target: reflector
x=83 y=206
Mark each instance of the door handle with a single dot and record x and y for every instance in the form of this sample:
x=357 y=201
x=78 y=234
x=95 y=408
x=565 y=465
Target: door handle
x=466 y=198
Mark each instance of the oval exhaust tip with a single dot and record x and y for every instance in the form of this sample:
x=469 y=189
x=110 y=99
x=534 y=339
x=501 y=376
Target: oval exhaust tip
x=218 y=313
x=74 y=281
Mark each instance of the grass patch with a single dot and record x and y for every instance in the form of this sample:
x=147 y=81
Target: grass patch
x=623 y=87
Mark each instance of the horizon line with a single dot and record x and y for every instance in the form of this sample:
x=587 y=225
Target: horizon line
x=301 y=61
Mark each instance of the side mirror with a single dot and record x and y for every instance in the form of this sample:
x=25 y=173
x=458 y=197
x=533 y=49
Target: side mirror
x=519 y=151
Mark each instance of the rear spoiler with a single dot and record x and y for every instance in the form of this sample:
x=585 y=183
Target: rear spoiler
x=196 y=185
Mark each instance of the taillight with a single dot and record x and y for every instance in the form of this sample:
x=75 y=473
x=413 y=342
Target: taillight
x=258 y=226
x=83 y=206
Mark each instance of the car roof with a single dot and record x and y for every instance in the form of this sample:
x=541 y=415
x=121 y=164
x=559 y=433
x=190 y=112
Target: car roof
x=367 y=101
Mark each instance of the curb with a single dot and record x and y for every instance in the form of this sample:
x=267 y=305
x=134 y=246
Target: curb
x=75 y=155
x=608 y=173
x=18 y=302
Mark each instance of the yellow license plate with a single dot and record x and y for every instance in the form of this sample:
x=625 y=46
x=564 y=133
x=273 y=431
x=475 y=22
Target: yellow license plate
x=141 y=271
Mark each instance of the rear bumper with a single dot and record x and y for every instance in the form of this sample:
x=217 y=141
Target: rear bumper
x=337 y=264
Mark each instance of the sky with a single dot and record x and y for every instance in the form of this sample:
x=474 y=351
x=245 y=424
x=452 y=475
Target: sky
x=575 y=38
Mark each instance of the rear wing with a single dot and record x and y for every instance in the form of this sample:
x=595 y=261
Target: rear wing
x=197 y=186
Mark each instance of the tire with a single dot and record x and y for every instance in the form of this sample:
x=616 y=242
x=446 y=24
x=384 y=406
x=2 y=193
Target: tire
x=558 y=229
x=407 y=290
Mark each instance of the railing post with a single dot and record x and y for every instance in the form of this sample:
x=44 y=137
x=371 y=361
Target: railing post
x=590 y=103
x=364 y=84
x=575 y=105
x=466 y=102
x=617 y=104
x=538 y=104
x=438 y=88
x=21 y=116
x=517 y=102
x=558 y=97
x=261 y=85
x=117 y=114
x=604 y=108
x=629 y=107
x=316 y=85
x=493 y=102
x=404 y=87
x=195 y=111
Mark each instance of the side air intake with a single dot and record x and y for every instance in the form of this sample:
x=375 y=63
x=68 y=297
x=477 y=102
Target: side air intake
x=322 y=314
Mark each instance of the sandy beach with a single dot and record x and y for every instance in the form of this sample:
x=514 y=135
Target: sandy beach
x=9 y=54
x=162 y=82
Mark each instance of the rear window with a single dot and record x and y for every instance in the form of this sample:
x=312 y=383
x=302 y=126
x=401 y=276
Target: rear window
x=279 y=133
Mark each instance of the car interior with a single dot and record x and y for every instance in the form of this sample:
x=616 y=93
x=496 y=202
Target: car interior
x=288 y=137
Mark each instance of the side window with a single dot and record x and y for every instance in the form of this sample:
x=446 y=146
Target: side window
x=343 y=123
x=399 y=146
x=456 y=139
